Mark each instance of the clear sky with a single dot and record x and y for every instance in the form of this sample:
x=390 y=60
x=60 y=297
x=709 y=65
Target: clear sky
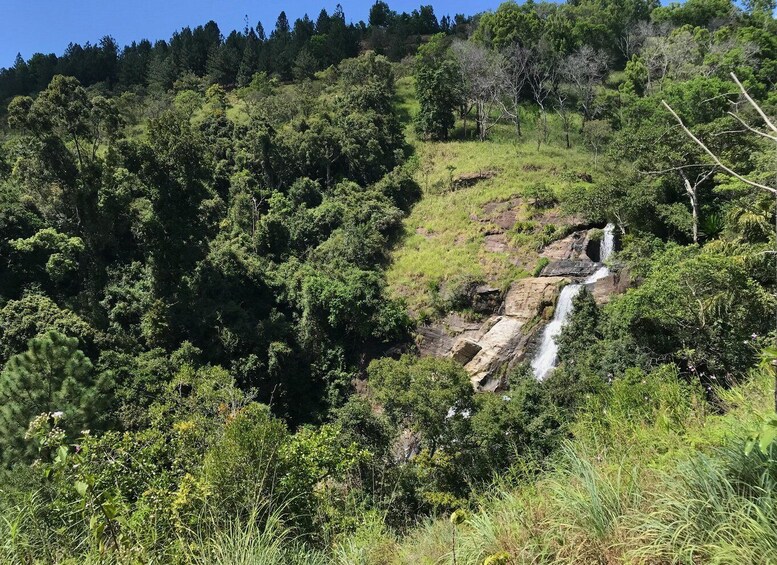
x=47 y=26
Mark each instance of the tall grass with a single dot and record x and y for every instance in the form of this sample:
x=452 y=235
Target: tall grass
x=254 y=541
x=714 y=510
x=648 y=490
x=590 y=499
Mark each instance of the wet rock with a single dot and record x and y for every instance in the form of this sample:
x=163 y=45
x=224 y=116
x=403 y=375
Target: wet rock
x=615 y=283
x=570 y=268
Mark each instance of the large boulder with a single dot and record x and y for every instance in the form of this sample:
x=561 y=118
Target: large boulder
x=570 y=247
x=614 y=283
x=464 y=350
x=498 y=347
x=527 y=298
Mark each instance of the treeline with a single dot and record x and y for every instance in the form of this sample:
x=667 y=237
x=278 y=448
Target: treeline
x=290 y=51
x=537 y=59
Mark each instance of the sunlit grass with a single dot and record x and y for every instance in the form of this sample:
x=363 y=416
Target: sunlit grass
x=443 y=238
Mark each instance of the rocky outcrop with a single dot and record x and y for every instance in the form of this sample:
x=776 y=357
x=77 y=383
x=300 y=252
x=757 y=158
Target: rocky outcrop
x=570 y=268
x=614 y=283
x=572 y=247
x=464 y=350
x=471 y=179
x=498 y=348
x=489 y=349
x=438 y=339
x=485 y=299
x=527 y=298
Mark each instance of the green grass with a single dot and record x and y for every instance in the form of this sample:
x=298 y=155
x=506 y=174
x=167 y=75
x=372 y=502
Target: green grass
x=444 y=240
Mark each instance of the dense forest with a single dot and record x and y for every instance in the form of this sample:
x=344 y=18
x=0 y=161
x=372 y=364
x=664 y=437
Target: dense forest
x=220 y=257
x=292 y=50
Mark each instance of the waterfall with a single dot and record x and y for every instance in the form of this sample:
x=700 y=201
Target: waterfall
x=545 y=359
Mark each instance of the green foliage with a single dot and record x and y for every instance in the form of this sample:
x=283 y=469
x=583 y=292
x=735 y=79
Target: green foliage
x=52 y=377
x=34 y=315
x=438 y=88
x=541 y=264
x=701 y=307
x=431 y=396
x=62 y=251
x=197 y=273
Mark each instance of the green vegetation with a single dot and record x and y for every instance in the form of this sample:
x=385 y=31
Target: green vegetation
x=651 y=475
x=445 y=232
x=215 y=252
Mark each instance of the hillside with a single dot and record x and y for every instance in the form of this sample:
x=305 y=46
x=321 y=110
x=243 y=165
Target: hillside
x=490 y=289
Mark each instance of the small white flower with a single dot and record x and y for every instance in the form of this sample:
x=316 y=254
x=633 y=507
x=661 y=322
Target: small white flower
x=506 y=398
x=57 y=415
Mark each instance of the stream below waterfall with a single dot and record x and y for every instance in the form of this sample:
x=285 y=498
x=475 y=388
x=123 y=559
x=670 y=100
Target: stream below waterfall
x=545 y=359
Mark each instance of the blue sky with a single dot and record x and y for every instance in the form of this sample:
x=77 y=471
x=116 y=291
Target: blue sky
x=47 y=26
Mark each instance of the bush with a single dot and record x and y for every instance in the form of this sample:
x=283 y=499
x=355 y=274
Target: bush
x=541 y=264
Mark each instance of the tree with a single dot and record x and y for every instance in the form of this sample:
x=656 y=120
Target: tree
x=542 y=77
x=699 y=308
x=433 y=397
x=53 y=377
x=480 y=71
x=597 y=133
x=438 y=87
x=585 y=69
x=380 y=14
x=513 y=75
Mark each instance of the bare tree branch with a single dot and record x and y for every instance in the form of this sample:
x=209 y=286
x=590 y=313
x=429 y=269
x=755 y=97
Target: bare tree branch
x=758 y=109
x=752 y=129
x=714 y=157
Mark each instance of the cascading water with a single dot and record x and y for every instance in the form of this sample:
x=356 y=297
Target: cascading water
x=545 y=359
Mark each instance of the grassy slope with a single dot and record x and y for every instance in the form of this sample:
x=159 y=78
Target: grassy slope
x=442 y=240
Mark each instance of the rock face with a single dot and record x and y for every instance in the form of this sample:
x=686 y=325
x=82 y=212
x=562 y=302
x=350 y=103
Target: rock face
x=464 y=350
x=572 y=247
x=438 y=339
x=570 y=268
x=489 y=349
x=614 y=283
x=528 y=297
x=486 y=299
x=498 y=348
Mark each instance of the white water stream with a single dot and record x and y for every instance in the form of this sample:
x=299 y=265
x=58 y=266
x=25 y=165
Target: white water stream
x=545 y=359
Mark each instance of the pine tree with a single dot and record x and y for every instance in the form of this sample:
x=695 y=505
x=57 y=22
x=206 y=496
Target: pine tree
x=52 y=376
